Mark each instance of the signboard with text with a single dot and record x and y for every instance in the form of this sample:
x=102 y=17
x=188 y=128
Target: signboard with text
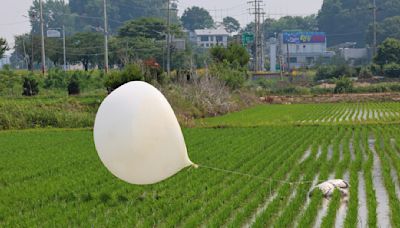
x=304 y=37
x=247 y=38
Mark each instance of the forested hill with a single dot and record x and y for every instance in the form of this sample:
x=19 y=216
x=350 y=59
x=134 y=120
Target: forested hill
x=87 y=15
x=350 y=20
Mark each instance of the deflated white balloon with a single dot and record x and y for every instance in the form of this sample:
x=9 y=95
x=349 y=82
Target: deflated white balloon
x=137 y=135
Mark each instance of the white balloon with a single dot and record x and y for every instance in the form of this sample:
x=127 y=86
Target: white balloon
x=138 y=137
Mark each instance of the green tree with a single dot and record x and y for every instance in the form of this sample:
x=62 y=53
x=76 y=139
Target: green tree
x=125 y=50
x=388 y=28
x=144 y=39
x=89 y=12
x=388 y=52
x=234 y=54
x=74 y=85
x=3 y=47
x=151 y=28
x=196 y=18
x=131 y=72
x=30 y=86
x=56 y=13
x=343 y=85
x=231 y=24
x=349 y=20
x=272 y=27
x=86 y=48
x=23 y=49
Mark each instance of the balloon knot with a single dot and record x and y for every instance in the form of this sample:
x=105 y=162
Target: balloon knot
x=195 y=166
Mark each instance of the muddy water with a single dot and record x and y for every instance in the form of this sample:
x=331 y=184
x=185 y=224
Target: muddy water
x=324 y=210
x=393 y=143
x=319 y=151
x=381 y=114
x=341 y=213
x=395 y=179
x=382 y=198
x=355 y=115
x=363 y=152
x=314 y=183
x=370 y=114
x=362 y=202
x=342 y=117
x=330 y=152
x=351 y=147
x=260 y=210
x=308 y=201
x=360 y=114
x=365 y=114
x=376 y=115
x=341 y=151
x=306 y=155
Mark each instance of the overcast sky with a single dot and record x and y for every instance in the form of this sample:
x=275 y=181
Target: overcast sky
x=12 y=21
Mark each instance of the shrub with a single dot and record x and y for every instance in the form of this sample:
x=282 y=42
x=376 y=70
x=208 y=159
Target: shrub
x=365 y=72
x=73 y=86
x=391 y=70
x=116 y=79
x=376 y=69
x=333 y=71
x=10 y=82
x=30 y=86
x=56 y=79
x=343 y=85
x=234 y=53
x=233 y=77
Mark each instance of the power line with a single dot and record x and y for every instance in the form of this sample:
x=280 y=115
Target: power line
x=258 y=12
x=14 y=23
x=105 y=38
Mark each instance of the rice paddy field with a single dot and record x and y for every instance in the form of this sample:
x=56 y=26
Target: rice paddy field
x=256 y=170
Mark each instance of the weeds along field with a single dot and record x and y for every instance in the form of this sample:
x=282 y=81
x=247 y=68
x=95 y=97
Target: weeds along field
x=53 y=177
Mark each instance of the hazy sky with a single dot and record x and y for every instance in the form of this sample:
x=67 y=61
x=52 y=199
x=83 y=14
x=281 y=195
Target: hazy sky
x=12 y=22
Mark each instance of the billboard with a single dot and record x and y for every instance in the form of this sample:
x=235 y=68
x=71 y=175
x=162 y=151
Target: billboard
x=304 y=37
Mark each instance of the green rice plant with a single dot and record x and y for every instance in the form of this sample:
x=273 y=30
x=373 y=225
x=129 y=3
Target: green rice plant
x=394 y=202
x=371 y=197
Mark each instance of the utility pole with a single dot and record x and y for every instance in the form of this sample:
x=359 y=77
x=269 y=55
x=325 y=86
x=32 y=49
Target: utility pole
x=257 y=11
x=25 y=55
x=169 y=38
x=42 y=31
x=105 y=38
x=32 y=59
x=262 y=64
x=288 y=57
x=375 y=28
x=64 y=51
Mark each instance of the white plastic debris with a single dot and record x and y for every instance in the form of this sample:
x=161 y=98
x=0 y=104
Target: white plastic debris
x=328 y=187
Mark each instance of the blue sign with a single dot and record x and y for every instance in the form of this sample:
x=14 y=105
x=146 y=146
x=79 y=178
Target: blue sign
x=304 y=37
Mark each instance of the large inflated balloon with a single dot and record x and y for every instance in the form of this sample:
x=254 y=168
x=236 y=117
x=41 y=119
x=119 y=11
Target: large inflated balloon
x=137 y=135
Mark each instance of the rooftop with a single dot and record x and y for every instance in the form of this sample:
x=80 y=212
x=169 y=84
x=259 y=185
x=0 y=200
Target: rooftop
x=203 y=32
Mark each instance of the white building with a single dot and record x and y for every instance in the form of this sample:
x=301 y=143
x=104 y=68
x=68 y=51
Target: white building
x=353 y=54
x=302 y=49
x=208 y=38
